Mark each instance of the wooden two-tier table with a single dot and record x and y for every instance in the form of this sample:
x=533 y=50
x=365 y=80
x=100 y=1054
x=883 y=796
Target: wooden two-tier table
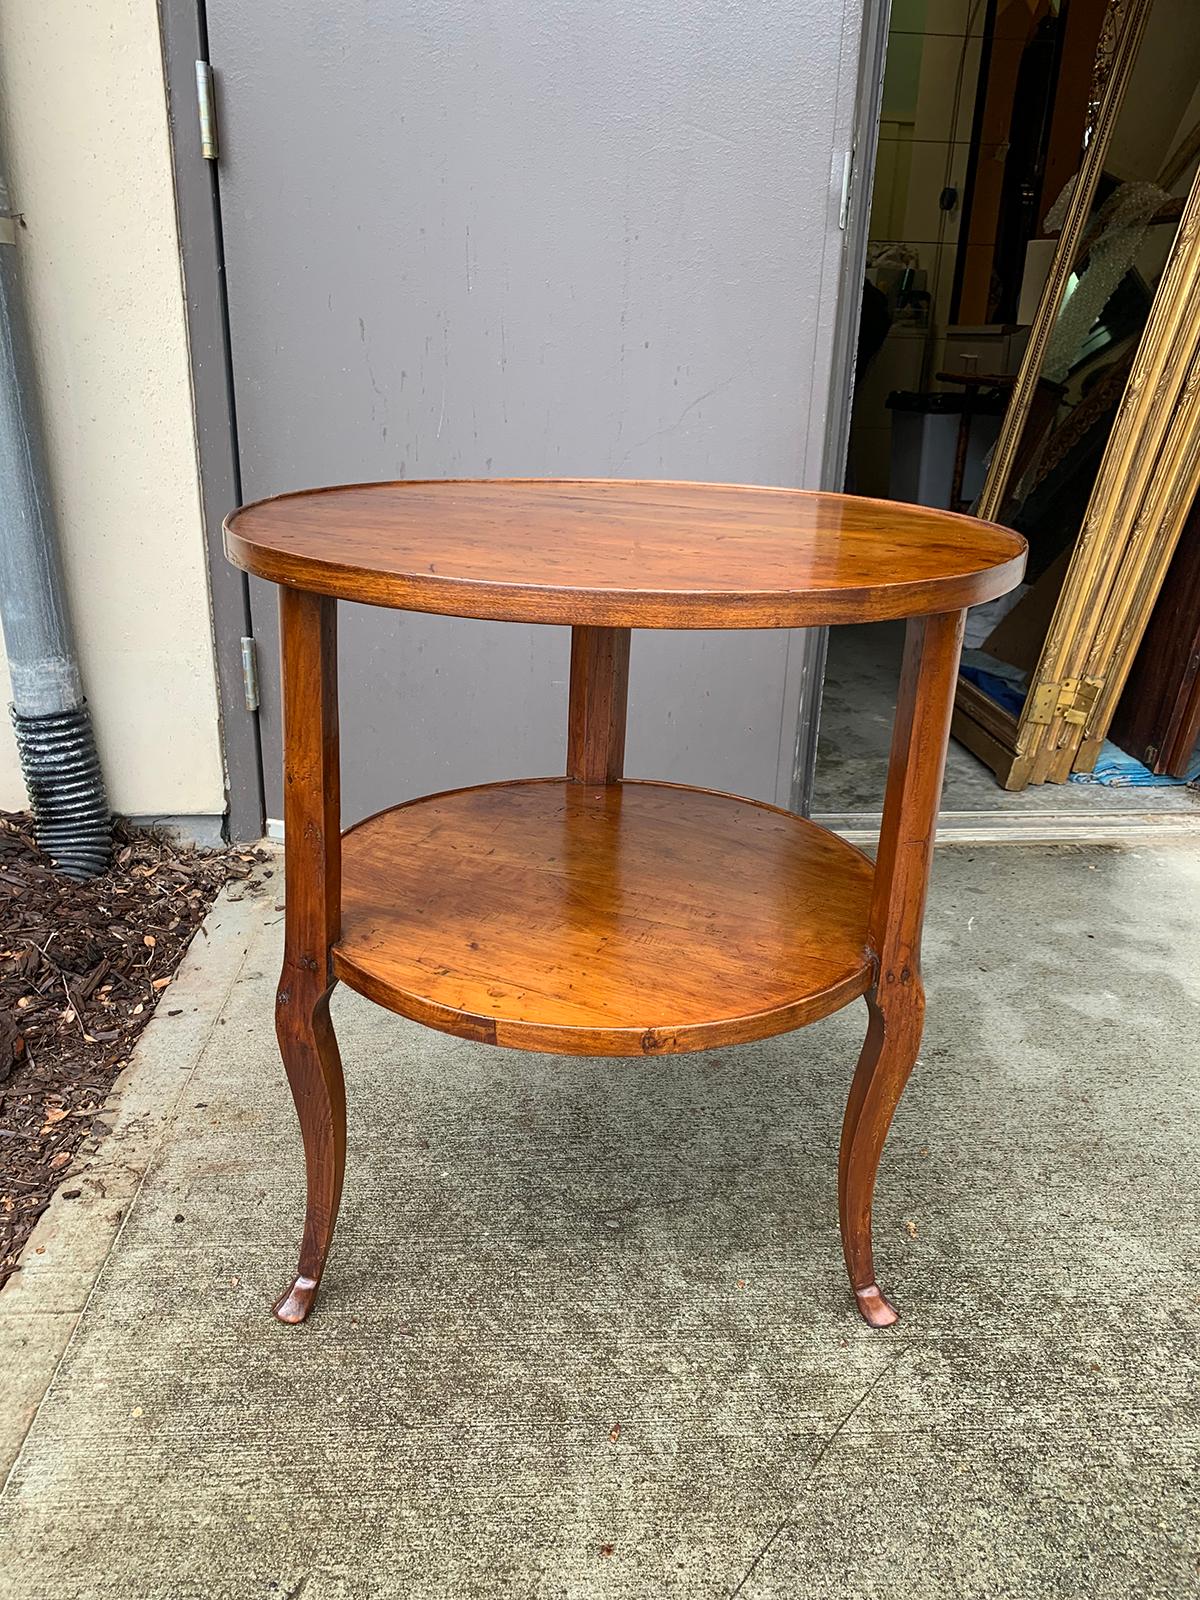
x=587 y=914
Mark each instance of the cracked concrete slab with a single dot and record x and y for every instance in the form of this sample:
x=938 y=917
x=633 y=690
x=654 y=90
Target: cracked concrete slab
x=585 y=1332
x=42 y=1303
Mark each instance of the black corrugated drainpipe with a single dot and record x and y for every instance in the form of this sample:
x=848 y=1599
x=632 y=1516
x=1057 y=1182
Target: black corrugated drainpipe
x=53 y=727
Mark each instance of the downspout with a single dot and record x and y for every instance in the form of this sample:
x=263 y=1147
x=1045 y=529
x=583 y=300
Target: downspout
x=49 y=713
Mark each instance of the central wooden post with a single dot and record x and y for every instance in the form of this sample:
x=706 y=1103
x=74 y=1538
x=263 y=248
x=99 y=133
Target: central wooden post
x=599 y=695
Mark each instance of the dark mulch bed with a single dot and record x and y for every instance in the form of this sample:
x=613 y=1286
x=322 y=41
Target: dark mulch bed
x=82 y=968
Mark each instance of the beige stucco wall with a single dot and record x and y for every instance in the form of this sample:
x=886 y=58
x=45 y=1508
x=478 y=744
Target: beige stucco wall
x=84 y=125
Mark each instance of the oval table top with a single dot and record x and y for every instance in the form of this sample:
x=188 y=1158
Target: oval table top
x=618 y=553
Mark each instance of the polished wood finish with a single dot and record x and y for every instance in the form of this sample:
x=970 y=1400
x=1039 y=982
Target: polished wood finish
x=311 y=801
x=621 y=554
x=586 y=914
x=896 y=1002
x=619 y=920
x=598 y=699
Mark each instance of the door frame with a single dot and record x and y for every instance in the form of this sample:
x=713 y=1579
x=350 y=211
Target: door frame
x=184 y=39
x=856 y=183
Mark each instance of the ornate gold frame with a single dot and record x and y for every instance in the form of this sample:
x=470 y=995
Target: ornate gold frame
x=1147 y=479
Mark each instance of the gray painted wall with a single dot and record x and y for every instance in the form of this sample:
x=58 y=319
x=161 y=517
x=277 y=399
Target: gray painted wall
x=473 y=239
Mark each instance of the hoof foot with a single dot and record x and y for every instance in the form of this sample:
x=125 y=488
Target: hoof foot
x=295 y=1305
x=877 y=1310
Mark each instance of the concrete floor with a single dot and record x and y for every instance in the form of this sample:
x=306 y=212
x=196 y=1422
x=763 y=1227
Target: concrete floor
x=585 y=1332
x=855 y=734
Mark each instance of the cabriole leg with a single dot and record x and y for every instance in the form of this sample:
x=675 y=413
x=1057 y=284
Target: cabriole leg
x=311 y=924
x=897 y=1002
x=314 y=1069
x=888 y=1055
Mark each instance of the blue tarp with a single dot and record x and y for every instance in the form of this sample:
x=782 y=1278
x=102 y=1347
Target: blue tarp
x=1120 y=771
x=996 y=688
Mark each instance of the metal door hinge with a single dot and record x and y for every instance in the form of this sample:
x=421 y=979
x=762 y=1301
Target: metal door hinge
x=847 y=185
x=206 y=105
x=1072 y=700
x=1042 y=704
x=250 y=673
x=1079 y=695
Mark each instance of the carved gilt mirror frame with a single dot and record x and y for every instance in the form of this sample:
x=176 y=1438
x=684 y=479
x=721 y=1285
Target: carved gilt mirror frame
x=1147 y=477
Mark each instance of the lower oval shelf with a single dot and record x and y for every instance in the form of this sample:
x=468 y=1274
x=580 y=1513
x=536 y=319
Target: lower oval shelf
x=629 y=919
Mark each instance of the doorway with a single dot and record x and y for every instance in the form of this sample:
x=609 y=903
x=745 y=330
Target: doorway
x=986 y=104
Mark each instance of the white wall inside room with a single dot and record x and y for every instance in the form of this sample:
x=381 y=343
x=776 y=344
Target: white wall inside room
x=1163 y=83
x=929 y=92
x=84 y=125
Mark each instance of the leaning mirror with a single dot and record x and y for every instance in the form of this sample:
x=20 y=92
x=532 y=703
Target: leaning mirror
x=1108 y=235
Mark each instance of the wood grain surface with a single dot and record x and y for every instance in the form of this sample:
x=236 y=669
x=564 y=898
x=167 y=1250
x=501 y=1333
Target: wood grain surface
x=586 y=915
x=627 y=919
x=597 y=705
x=307 y=1043
x=616 y=554
x=896 y=1001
